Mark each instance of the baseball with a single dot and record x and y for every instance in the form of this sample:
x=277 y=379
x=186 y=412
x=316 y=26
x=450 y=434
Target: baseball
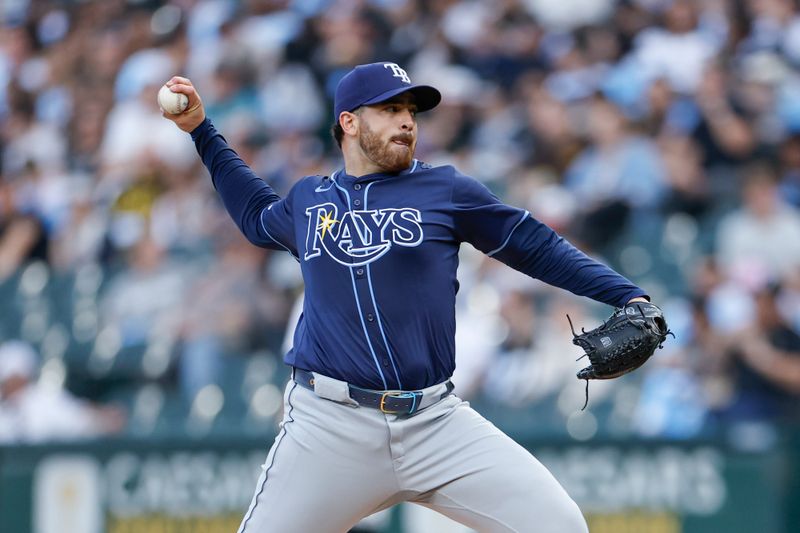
x=173 y=103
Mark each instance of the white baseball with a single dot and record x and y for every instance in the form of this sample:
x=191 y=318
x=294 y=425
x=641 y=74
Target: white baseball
x=173 y=103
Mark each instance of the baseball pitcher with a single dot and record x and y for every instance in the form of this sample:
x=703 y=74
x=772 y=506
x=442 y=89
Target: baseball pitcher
x=371 y=418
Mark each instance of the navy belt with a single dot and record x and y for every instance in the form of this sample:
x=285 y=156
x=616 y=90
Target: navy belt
x=390 y=402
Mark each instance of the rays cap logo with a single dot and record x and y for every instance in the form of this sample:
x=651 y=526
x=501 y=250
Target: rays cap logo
x=374 y=83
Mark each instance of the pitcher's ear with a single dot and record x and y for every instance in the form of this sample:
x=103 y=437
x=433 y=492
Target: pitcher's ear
x=349 y=122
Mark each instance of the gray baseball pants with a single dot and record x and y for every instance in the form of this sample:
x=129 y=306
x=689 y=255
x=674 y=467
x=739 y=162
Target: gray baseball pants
x=333 y=463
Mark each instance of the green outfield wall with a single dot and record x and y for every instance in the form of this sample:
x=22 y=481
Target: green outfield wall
x=203 y=486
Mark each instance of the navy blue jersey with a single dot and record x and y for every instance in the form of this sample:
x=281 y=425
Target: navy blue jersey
x=379 y=255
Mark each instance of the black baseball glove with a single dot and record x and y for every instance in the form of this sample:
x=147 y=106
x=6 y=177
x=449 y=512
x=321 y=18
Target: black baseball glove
x=622 y=343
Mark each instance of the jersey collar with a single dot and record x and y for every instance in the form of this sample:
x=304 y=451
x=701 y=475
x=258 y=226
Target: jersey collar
x=344 y=177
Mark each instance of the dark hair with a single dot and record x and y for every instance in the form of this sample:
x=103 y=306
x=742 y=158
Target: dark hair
x=338 y=133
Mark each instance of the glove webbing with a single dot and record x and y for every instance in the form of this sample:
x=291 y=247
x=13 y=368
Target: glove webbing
x=621 y=349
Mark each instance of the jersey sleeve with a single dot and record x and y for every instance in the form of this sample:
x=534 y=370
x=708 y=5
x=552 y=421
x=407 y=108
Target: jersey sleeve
x=277 y=224
x=513 y=236
x=262 y=215
x=480 y=218
x=538 y=251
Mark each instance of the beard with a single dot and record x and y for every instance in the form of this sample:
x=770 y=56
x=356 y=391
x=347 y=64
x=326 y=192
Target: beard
x=389 y=156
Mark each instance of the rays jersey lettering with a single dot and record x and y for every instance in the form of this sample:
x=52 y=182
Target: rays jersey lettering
x=360 y=237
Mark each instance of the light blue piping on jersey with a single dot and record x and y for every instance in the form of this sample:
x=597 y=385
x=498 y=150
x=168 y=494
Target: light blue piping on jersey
x=380 y=326
x=374 y=303
x=264 y=226
x=355 y=293
x=510 y=233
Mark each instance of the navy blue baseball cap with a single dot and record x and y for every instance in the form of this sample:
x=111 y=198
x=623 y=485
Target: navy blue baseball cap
x=377 y=82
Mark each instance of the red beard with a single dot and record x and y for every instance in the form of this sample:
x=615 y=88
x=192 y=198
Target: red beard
x=389 y=156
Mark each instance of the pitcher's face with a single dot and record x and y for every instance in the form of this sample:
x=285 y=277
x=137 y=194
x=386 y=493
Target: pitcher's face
x=388 y=133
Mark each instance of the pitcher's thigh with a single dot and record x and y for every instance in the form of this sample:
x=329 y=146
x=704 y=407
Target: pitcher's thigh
x=517 y=494
x=485 y=480
x=312 y=480
x=289 y=499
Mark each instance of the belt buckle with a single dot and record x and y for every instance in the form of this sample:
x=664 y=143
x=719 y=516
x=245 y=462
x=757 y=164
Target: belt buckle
x=401 y=395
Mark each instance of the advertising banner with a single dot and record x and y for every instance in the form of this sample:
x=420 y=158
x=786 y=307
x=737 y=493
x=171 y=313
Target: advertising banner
x=204 y=487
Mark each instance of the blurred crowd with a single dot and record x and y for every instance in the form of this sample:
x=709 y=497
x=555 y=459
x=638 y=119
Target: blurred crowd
x=660 y=136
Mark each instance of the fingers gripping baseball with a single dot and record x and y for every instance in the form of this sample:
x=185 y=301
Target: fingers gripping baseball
x=194 y=112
